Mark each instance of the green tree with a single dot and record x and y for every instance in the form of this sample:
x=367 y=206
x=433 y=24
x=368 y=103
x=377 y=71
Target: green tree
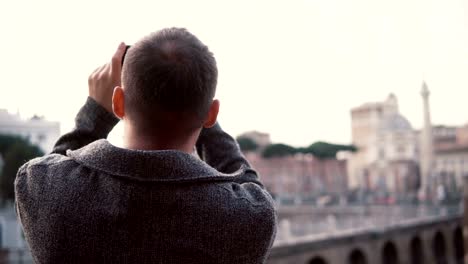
x=6 y=141
x=246 y=144
x=278 y=150
x=325 y=150
x=307 y=150
x=15 y=152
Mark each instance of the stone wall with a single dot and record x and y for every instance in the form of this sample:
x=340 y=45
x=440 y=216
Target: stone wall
x=430 y=242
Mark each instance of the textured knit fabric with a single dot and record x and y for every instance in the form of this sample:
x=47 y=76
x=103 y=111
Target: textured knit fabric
x=92 y=202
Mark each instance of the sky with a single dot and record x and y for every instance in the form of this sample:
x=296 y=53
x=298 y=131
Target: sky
x=291 y=68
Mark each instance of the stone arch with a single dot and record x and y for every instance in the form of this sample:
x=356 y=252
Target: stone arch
x=458 y=245
x=390 y=253
x=439 y=248
x=357 y=257
x=416 y=250
x=317 y=260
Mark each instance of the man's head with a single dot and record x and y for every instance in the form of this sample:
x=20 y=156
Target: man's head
x=169 y=80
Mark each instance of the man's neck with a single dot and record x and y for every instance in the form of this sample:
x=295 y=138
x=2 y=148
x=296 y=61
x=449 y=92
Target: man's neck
x=145 y=141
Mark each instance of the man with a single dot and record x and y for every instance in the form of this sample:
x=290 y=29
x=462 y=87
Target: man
x=152 y=201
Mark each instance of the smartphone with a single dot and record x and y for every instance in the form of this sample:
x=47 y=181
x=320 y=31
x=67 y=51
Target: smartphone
x=125 y=53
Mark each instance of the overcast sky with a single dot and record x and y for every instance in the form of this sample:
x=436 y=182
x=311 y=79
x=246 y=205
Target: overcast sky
x=291 y=68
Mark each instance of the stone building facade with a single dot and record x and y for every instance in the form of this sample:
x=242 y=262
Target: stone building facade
x=300 y=175
x=387 y=158
x=39 y=131
x=451 y=155
x=262 y=139
x=394 y=157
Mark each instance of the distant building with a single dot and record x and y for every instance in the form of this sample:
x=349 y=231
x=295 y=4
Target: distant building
x=37 y=130
x=395 y=158
x=462 y=135
x=444 y=136
x=450 y=147
x=300 y=175
x=451 y=155
x=451 y=165
x=387 y=158
x=303 y=175
x=261 y=139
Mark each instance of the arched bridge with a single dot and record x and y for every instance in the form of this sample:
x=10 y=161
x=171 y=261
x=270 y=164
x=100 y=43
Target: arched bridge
x=434 y=239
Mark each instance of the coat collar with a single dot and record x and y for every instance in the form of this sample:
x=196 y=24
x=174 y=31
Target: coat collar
x=143 y=165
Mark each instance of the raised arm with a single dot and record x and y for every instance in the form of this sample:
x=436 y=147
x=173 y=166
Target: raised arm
x=92 y=122
x=220 y=150
x=95 y=120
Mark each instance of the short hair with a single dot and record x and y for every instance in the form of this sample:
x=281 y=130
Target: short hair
x=169 y=78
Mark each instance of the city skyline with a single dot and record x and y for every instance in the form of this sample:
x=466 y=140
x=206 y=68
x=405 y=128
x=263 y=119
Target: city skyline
x=296 y=77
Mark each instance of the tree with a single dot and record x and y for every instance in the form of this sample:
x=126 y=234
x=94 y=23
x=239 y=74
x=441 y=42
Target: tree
x=246 y=144
x=15 y=152
x=6 y=141
x=325 y=150
x=307 y=150
x=278 y=150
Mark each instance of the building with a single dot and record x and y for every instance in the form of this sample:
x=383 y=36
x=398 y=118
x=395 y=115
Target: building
x=387 y=157
x=444 y=136
x=36 y=129
x=296 y=176
x=261 y=139
x=300 y=175
x=44 y=134
x=451 y=156
x=462 y=135
x=393 y=157
x=451 y=166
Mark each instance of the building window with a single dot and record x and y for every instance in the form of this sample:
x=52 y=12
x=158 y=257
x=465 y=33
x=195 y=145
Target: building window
x=381 y=153
x=401 y=149
x=440 y=163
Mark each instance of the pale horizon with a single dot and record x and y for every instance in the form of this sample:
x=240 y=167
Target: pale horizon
x=292 y=69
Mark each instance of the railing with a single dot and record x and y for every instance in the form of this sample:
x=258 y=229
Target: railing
x=306 y=226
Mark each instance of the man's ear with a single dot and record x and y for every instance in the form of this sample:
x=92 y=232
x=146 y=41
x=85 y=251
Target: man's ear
x=118 y=102
x=212 y=114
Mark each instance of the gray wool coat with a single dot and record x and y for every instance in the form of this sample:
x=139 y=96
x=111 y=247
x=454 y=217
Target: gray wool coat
x=91 y=202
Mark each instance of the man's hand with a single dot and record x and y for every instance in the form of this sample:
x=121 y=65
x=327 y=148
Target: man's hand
x=104 y=79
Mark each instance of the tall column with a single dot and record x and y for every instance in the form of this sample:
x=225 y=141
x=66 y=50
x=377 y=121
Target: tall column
x=427 y=151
